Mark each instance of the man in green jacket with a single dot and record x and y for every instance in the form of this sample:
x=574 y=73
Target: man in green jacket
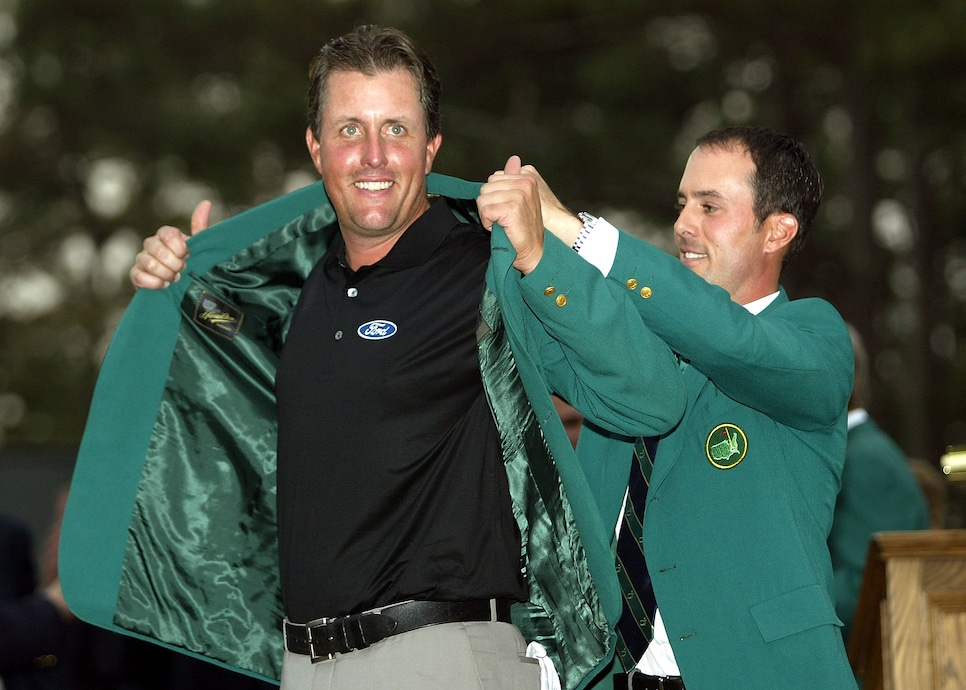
x=424 y=482
x=743 y=489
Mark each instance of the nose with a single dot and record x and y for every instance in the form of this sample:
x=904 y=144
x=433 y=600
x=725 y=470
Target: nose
x=375 y=153
x=683 y=225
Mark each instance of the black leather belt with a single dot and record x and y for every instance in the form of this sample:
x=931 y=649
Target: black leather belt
x=324 y=638
x=635 y=680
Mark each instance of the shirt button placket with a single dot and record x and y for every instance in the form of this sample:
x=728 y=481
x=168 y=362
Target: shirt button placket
x=350 y=293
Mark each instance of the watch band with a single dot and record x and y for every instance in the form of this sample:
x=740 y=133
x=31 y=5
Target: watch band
x=590 y=221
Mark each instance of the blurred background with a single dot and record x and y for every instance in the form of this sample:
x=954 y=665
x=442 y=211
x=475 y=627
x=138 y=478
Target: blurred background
x=118 y=117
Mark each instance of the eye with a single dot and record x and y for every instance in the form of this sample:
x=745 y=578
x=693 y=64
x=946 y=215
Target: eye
x=351 y=130
x=397 y=130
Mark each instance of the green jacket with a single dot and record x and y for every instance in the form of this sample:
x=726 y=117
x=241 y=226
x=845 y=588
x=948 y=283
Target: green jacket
x=879 y=494
x=743 y=488
x=169 y=531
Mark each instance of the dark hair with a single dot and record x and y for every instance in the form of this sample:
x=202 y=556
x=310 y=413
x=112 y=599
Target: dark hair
x=785 y=179
x=371 y=50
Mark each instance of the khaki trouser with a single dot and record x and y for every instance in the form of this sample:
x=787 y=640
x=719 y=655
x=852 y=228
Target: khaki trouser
x=452 y=656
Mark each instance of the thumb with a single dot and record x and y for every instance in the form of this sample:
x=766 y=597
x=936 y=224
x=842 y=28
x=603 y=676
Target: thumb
x=200 y=217
x=513 y=164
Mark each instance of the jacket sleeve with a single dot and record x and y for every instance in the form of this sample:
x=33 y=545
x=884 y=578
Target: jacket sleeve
x=800 y=348
x=596 y=351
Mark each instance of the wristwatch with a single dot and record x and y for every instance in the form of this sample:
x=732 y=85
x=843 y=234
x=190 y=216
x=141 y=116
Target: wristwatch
x=590 y=221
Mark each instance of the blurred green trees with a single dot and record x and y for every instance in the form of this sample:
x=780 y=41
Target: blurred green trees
x=116 y=118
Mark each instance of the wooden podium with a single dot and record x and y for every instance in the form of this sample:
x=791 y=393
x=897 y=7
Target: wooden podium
x=910 y=622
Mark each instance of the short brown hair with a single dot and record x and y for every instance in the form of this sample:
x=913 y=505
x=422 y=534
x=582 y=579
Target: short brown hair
x=785 y=180
x=372 y=50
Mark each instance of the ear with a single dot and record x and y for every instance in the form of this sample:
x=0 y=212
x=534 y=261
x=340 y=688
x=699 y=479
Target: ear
x=782 y=229
x=432 y=147
x=315 y=149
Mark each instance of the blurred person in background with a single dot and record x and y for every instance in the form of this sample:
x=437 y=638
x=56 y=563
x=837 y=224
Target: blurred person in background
x=571 y=418
x=934 y=488
x=880 y=492
x=32 y=621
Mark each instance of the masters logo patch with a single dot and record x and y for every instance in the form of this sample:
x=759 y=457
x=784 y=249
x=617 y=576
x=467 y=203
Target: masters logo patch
x=218 y=316
x=726 y=446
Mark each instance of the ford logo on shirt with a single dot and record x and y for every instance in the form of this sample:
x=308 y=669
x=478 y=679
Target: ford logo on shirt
x=377 y=330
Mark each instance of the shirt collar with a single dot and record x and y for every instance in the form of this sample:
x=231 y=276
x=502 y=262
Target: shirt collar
x=757 y=306
x=857 y=416
x=417 y=242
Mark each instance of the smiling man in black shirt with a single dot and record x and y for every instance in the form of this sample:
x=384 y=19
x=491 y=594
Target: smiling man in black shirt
x=399 y=532
x=383 y=420
x=390 y=478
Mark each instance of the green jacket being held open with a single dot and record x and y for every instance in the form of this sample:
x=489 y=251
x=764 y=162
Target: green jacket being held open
x=170 y=530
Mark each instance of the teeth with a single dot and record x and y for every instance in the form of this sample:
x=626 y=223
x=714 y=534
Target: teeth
x=373 y=186
x=692 y=255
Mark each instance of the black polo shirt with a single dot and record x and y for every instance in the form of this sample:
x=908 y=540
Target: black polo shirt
x=391 y=483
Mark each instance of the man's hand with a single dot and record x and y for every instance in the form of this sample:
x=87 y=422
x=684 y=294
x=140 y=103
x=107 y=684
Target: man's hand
x=511 y=198
x=164 y=255
x=557 y=218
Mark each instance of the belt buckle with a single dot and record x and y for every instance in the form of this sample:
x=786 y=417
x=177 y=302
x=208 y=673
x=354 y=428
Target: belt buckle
x=321 y=624
x=635 y=671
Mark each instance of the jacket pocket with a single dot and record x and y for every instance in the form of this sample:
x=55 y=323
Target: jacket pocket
x=793 y=612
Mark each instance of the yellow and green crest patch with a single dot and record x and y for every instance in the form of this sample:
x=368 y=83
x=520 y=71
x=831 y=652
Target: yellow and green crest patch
x=726 y=446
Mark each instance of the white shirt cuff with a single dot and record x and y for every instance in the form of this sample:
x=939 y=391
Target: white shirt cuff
x=600 y=246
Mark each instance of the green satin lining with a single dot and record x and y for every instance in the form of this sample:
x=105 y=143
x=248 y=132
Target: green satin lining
x=209 y=480
x=201 y=563
x=576 y=635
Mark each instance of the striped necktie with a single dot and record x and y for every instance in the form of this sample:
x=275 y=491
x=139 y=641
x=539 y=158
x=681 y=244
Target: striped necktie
x=636 y=625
